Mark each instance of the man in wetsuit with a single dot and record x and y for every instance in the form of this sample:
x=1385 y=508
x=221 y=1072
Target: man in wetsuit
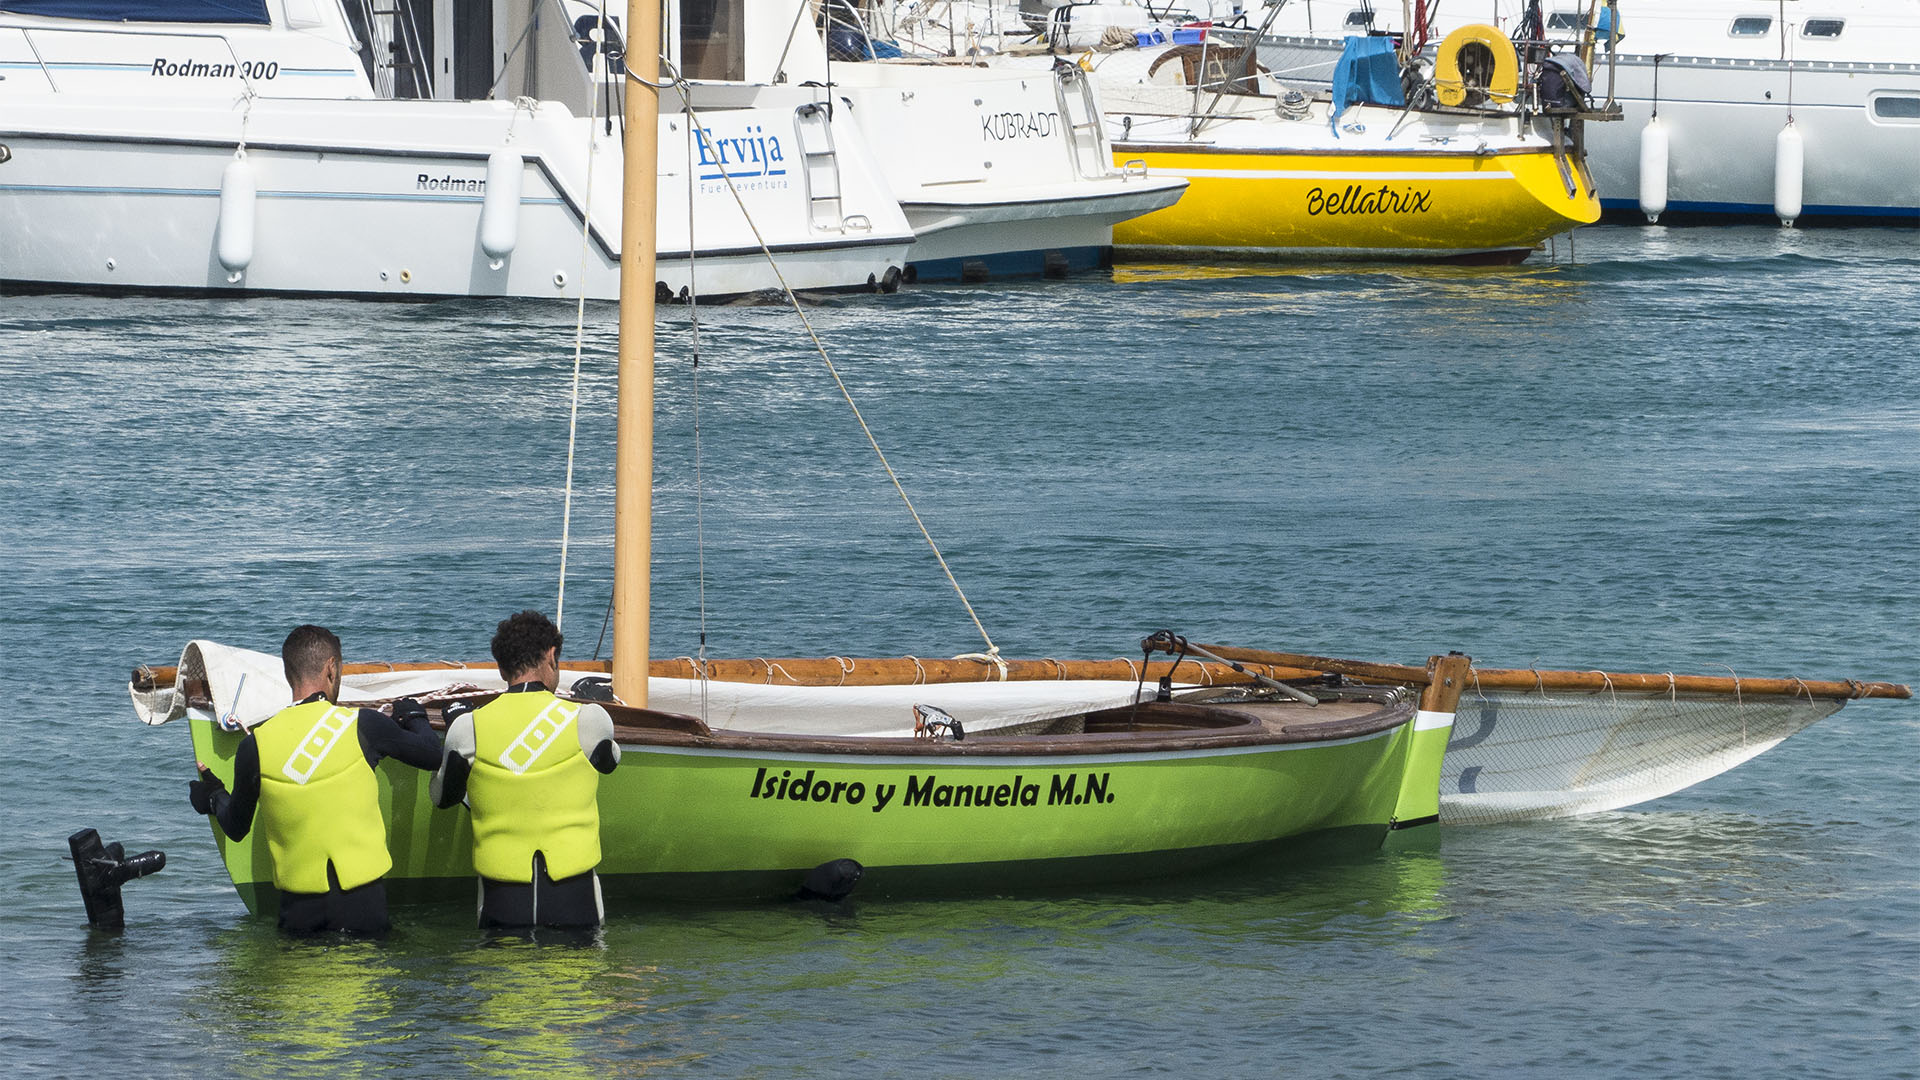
x=308 y=769
x=528 y=765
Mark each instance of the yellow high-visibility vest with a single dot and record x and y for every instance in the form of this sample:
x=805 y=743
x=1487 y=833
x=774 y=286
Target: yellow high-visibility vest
x=532 y=789
x=319 y=802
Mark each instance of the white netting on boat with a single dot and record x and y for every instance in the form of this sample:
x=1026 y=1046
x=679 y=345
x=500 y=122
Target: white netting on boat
x=1520 y=755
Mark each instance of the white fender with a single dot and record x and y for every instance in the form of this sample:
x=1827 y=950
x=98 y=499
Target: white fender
x=1789 y=173
x=233 y=234
x=500 y=207
x=1653 y=169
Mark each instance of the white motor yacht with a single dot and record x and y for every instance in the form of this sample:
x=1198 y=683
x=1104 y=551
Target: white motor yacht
x=317 y=146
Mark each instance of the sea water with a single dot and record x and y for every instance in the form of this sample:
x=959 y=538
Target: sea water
x=1684 y=450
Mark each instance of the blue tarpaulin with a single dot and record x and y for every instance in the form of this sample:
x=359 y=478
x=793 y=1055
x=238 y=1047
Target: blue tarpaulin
x=174 y=11
x=1369 y=73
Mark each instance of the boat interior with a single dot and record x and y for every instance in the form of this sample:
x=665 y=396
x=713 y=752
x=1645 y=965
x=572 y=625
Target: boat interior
x=1206 y=716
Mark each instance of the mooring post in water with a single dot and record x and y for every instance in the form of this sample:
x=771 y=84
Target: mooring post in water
x=102 y=869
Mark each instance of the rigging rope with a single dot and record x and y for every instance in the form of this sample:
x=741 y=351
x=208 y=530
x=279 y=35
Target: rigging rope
x=677 y=80
x=579 y=339
x=699 y=480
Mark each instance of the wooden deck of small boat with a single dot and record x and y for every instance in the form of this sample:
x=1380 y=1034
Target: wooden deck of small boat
x=1155 y=727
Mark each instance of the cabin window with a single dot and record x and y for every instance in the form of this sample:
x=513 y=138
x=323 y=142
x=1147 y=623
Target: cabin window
x=1565 y=20
x=1751 y=26
x=1897 y=108
x=1823 y=28
x=1360 y=17
x=713 y=39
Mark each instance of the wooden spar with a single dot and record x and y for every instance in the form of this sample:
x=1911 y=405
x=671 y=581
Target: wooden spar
x=907 y=670
x=898 y=670
x=1666 y=682
x=840 y=671
x=1528 y=679
x=633 y=455
x=1357 y=669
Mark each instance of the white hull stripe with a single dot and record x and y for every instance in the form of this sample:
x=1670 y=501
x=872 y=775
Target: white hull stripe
x=1428 y=721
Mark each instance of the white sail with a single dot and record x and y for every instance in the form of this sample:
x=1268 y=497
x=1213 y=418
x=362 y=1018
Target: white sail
x=1520 y=755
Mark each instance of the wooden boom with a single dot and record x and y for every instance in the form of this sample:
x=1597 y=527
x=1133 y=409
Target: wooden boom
x=897 y=670
x=1532 y=679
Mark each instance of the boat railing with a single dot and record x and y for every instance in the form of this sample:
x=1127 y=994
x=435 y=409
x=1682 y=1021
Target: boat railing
x=1087 y=146
x=29 y=32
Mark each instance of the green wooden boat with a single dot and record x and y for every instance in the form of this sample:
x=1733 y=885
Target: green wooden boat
x=1205 y=776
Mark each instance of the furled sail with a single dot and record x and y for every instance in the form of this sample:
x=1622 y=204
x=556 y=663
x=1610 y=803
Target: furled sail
x=238 y=688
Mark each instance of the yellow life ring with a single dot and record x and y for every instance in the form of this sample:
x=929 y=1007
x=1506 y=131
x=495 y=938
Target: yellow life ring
x=1476 y=64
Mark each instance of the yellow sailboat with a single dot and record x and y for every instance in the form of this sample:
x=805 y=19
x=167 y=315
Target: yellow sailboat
x=1476 y=164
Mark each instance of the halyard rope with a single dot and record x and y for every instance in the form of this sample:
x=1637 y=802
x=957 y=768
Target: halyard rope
x=579 y=342
x=993 y=651
x=675 y=79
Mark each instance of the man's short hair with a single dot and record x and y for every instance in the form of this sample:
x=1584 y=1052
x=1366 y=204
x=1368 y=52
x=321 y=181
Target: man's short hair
x=306 y=651
x=521 y=640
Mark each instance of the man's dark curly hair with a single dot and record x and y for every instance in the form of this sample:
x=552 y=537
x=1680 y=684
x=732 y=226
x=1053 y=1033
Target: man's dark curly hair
x=521 y=640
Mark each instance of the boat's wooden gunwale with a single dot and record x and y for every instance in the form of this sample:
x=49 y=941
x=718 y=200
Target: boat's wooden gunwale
x=637 y=728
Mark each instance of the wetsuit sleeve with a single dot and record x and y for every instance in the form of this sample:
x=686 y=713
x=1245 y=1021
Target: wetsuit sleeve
x=596 y=738
x=234 y=809
x=449 y=784
x=410 y=739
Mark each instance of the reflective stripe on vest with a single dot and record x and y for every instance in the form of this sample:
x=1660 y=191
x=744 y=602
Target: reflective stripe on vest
x=319 y=801
x=532 y=789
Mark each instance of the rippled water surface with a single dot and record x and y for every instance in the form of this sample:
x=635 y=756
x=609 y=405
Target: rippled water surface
x=1689 y=450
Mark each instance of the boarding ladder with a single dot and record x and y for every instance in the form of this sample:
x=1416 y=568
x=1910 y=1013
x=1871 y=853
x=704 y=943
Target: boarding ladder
x=393 y=50
x=1087 y=144
x=820 y=165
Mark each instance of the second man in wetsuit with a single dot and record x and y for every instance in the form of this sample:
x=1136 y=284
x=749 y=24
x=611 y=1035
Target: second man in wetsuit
x=528 y=764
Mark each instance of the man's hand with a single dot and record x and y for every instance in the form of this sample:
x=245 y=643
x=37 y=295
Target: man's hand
x=200 y=792
x=407 y=711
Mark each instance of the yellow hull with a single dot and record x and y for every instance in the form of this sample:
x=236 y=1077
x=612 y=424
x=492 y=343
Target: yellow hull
x=1397 y=204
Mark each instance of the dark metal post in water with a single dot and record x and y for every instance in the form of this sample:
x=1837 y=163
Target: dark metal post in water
x=102 y=869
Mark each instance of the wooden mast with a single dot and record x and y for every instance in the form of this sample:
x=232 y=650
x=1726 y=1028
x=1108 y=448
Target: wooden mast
x=633 y=470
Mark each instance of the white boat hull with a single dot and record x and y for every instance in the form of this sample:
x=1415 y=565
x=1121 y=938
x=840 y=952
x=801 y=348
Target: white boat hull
x=352 y=200
x=1723 y=99
x=1723 y=117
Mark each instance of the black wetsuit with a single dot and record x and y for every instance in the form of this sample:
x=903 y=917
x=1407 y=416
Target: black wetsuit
x=360 y=910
